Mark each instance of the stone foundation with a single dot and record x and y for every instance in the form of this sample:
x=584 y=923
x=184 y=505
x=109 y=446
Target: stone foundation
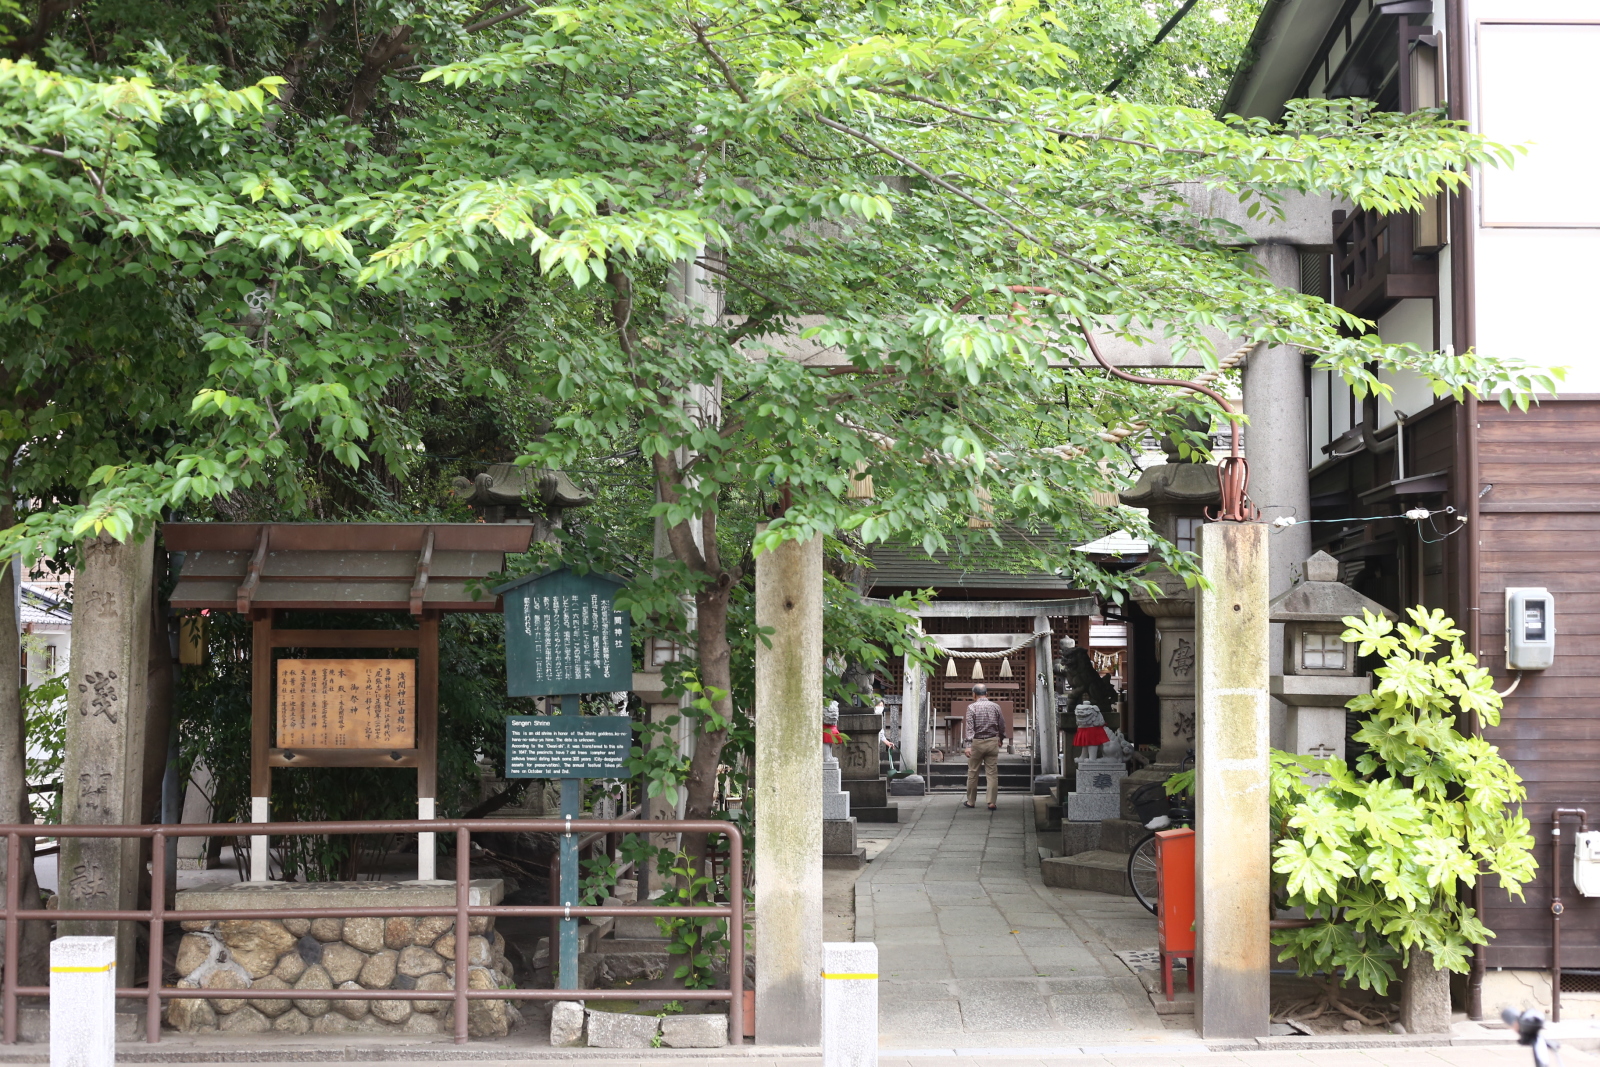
x=302 y=956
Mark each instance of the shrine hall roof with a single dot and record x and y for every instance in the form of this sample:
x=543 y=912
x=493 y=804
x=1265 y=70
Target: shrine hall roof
x=391 y=566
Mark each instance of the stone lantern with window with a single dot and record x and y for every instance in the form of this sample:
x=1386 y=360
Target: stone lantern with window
x=1319 y=668
x=1176 y=495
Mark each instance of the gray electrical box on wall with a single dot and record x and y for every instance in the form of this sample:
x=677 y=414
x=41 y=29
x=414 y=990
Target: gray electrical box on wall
x=1530 y=628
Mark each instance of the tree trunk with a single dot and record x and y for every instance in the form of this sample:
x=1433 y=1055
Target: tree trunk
x=1425 y=996
x=715 y=657
x=33 y=959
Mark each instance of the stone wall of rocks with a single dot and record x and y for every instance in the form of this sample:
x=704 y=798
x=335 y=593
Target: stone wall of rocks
x=302 y=956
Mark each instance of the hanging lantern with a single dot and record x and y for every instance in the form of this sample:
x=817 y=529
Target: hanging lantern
x=860 y=483
x=950 y=668
x=1005 y=668
x=977 y=670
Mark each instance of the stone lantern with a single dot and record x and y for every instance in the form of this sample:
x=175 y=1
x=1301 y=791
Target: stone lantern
x=1319 y=668
x=1176 y=496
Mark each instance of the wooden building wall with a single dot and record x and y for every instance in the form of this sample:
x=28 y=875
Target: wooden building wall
x=1540 y=526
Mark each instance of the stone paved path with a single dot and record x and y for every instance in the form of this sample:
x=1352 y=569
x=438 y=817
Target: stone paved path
x=975 y=951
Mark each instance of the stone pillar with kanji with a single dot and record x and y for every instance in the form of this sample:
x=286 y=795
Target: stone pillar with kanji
x=102 y=776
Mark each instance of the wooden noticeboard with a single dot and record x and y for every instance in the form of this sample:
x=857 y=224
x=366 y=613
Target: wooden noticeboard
x=347 y=703
x=565 y=635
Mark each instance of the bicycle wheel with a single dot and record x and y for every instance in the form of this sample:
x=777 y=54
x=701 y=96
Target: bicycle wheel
x=1142 y=872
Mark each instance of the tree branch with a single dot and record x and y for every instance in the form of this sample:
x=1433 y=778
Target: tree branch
x=99 y=186
x=294 y=70
x=722 y=64
x=385 y=50
x=43 y=23
x=483 y=24
x=927 y=174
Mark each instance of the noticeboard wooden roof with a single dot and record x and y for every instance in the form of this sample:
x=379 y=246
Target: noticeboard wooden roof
x=390 y=566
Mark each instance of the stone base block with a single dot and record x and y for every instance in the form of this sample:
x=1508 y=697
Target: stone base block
x=852 y=862
x=1046 y=814
x=887 y=813
x=1079 y=837
x=910 y=786
x=867 y=793
x=838 y=836
x=33 y=1026
x=1120 y=835
x=1099 y=872
x=695 y=1031
x=566 y=1024
x=835 y=806
x=1100 y=775
x=1092 y=807
x=614 y=1029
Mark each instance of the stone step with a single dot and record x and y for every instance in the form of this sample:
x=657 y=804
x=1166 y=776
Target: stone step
x=1097 y=871
x=1120 y=835
x=886 y=813
x=951 y=775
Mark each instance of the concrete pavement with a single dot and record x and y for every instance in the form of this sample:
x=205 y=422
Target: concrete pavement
x=976 y=952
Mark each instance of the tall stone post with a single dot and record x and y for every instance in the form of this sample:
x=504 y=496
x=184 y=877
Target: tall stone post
x=788 y=788
x=104 y=766
x=1044 y=701
x=1277 y=442
x=911 y=690
x=1233 y=835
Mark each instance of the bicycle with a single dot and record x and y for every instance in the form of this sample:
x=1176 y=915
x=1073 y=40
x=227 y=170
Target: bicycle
x=1142 y=860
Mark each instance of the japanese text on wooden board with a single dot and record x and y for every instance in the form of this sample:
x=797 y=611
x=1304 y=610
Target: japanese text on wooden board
x=576 y=637
x=567 y=746
x=347 y=703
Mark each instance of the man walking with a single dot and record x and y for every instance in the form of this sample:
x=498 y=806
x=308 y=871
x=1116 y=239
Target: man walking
x=985 y=727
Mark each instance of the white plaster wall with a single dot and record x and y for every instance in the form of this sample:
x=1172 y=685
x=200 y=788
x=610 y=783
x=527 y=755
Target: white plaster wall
x=1318 y=423
x=1409 y=322
x=1538 y=237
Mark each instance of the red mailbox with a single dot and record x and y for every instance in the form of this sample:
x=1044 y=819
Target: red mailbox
x=1175 y=912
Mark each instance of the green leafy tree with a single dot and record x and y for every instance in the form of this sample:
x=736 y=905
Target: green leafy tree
x=1381 y=854
x=319 y=211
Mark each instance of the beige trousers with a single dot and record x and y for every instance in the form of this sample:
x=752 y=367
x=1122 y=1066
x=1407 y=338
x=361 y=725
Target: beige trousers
x=985 y=752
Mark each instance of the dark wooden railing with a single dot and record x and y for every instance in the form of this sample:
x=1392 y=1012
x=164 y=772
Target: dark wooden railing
x=1375 y=262
x=157 y=915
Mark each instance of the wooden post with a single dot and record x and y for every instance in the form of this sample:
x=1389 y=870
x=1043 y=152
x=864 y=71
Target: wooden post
x=1233 y=875
x=260 y=739
x=788 y=790
x=427 y=739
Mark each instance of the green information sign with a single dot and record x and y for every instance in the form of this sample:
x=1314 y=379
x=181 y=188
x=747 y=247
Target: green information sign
x=568 y=746
x=564 y=635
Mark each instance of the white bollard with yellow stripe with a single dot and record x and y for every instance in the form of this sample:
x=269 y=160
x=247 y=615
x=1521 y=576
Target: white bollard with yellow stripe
x=849 y=1004
x=83 y=1002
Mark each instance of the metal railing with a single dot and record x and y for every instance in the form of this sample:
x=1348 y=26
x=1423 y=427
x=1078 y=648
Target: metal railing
x=157 y=915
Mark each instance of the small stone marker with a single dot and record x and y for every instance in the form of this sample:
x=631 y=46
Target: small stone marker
x=83 y=1002
x=566 y=1024
x=849 y=1004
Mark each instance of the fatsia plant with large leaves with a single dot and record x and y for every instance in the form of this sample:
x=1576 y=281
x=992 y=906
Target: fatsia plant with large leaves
x=1379 y=853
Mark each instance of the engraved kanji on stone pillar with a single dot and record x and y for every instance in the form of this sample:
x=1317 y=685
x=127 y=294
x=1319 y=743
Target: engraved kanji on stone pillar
x=106 y=715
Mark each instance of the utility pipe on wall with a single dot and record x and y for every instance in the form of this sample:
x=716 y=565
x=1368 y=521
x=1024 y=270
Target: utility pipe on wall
x=1556 y=907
